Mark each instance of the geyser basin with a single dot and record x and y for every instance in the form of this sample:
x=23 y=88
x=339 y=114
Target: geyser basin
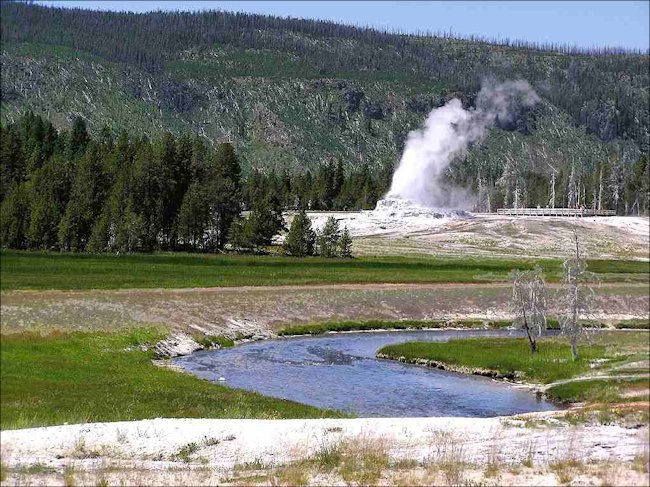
x=340 y=371
x=399 y=208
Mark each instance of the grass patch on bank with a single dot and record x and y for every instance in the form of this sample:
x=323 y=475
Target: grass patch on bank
x=367 y=325
x=84 y=377
x=48 y=270
x=600 y=390
x=643 y=324
x=508 y=356
x=321 y=328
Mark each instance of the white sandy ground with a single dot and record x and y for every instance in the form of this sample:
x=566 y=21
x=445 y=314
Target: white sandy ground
x=150 y=445
x=488 y=234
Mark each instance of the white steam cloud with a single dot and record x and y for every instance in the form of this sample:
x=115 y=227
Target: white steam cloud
x=447 y=133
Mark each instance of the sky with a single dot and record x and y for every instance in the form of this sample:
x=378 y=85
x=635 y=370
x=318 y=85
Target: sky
x=581 y=23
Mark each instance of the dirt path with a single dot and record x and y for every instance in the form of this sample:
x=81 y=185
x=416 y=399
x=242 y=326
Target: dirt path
x=260 y=310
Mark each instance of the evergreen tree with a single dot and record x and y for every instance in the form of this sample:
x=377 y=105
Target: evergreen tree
x=129 y=230
x=228 y=163
x=78 y=136
x=345 y=243
x=339 y=178
x=301 y=238
x=328 y=238
x=148 y=183
x=258 y=229
x=174 y=180
x=86 y=197
x=193 y=218
x=45 y=212
x=15 y=217
x=12 y=164
x=222 y=194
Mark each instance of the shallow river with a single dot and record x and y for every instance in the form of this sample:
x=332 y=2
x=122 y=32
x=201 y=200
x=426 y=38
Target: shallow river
x=340 y=371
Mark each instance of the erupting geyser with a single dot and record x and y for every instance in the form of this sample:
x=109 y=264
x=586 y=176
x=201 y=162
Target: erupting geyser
x=447 y=133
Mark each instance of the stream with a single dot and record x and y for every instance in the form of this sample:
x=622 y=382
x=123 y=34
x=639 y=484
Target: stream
x=340 y=371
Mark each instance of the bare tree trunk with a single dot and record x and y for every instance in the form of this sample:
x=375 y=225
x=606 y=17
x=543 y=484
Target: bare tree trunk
x=574 y=348
x=600 y=190
x=533 y=343
x=553 y=190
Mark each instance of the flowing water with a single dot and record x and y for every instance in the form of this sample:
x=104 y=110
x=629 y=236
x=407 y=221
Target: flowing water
x=340 y=371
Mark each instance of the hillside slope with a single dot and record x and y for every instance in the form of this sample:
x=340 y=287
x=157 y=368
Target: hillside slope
x=297 y=93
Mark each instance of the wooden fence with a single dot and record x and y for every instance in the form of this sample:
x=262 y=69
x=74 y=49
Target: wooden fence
x=577 y=212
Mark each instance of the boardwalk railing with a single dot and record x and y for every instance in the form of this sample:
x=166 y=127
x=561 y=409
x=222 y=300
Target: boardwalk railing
x=554 y=212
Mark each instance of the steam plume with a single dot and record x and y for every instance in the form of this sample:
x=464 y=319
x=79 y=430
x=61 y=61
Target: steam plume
x=446 y=134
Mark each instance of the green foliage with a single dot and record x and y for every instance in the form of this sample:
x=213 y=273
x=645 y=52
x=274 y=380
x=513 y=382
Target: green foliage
x=87 y=196
x=300 y=240
x=634 y=324
x=345 y=244
x=40 y=270
x=329 y=238
x=596 y=390
x=193 y=217
x=508 y=356
x=15 y=217
x=338 y=326
x=209 y=341
x=90 y=377
x=257 y=230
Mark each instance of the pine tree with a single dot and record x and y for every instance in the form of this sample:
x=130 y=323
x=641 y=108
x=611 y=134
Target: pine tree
x=129 y=230
x=148 y=184
x=345 y=243
x=258 y=229
x=86 y=197
x=223 y=194
x=15 y=217
x=228 y=163
x=193 y=218
x=328 y=238
x=45 y=213
x=13 y=168
x=339 y=179
x=173 y=190
x=78 y=136
x=301 y=238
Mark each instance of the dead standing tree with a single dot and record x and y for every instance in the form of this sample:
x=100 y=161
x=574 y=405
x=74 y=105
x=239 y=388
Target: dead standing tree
x=529 y=303
x=579 y=296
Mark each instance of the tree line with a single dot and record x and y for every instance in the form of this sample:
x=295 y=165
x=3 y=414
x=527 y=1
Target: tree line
x=67 y=190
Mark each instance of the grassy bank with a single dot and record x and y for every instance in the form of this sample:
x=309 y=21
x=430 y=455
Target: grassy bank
x=601 y=390
x=367 y=325
x=512 y=357
x=337 y=326
x=83 y=377
x=41 y=270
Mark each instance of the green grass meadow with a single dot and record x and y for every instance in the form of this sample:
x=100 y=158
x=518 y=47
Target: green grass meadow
x=84 y=377
x=41 y=270
x=551 y=363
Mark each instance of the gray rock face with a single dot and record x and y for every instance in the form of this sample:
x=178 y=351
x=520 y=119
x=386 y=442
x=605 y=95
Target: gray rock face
x=175 y=345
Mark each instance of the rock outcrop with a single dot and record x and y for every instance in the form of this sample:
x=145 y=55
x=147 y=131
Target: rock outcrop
x=175 y=345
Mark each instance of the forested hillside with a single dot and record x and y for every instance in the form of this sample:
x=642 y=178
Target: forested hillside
x=297 y=96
